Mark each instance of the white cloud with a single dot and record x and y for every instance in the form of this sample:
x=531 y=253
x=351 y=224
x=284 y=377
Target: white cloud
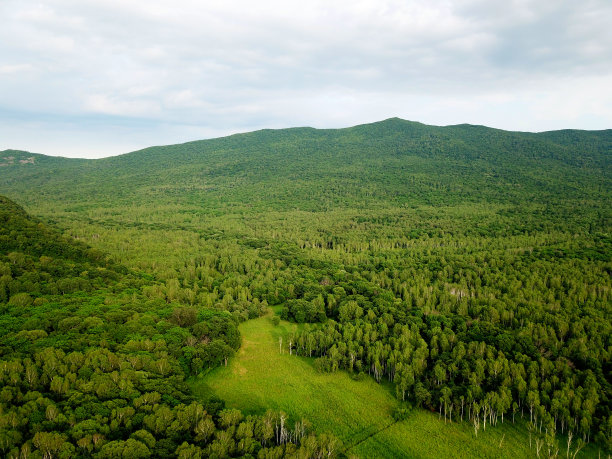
x=109 y=105
x=15 y=68
x=230 y=65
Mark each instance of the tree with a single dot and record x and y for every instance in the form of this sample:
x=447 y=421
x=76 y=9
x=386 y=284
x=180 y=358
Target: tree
x=130 y=448
x=421 y=395
x=48 y=443
x=187 y=451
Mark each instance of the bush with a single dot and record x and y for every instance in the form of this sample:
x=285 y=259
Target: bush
x=322 y=365
x=402 y=412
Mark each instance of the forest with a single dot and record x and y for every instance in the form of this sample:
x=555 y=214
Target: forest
x=464 y=269
x=93 y=367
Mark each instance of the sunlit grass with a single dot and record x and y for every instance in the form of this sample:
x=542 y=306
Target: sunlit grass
x=357 y=412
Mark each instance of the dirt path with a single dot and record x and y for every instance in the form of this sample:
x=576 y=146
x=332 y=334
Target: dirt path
x=346 y=450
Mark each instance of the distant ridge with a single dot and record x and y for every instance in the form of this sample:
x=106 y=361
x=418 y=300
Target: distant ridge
x=389 y=123
x=393 y=160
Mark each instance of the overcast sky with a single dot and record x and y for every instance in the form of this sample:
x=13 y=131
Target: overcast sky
x=92 y=78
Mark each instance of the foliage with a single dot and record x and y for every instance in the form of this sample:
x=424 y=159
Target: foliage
x=467 y=267
x=99 y=370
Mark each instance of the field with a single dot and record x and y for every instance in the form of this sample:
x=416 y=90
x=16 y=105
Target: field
x=358 y=412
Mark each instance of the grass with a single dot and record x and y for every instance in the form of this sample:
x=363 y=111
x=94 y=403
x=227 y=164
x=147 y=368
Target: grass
x=259 y=377
x=357 y=412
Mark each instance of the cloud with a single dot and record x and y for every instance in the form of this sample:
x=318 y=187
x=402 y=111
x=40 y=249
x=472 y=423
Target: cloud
x=15 y=68
x=224 y=66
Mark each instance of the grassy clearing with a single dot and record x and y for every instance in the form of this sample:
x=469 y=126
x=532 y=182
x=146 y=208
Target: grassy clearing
x=259 y=377
x=357 y=412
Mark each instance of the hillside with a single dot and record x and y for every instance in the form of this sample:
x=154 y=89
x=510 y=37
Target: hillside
x=38 y=260
x=92 y=364
x=393 y=162
x=461 y=270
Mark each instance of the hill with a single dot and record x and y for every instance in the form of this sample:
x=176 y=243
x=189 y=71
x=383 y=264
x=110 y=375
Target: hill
x=393 y=162
x=38 y=260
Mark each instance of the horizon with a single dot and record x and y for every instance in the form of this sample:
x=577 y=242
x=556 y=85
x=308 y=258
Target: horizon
x=287 y=128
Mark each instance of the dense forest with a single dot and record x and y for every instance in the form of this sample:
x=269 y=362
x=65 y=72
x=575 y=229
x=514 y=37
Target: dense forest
x=466 y=267
x=90 y=366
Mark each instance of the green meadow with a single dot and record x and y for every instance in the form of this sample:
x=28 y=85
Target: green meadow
x=259 y=377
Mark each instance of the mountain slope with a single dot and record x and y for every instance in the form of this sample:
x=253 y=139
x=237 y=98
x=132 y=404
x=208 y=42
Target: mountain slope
x=391 y=161
x=36 y=260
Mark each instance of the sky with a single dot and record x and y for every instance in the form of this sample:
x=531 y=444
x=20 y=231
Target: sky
x=95 y=78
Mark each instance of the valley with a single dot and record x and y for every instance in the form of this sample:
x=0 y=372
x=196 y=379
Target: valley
x=431 y=281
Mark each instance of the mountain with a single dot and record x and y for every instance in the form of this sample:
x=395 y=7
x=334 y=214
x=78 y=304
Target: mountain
x=393 y=161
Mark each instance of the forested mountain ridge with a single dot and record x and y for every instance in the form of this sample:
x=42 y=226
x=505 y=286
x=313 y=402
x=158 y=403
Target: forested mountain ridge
x=466 y=266
x=392 y=161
